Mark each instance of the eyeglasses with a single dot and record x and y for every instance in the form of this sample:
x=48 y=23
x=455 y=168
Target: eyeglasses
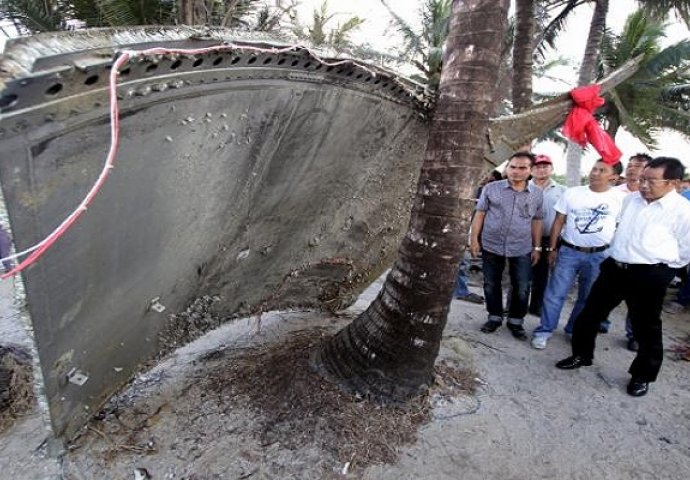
x=652 y=181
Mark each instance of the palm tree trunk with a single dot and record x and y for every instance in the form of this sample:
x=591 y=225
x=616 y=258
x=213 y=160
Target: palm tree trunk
x=586 y=76
x=523 y=50
x=388 y=352
x=192 y=12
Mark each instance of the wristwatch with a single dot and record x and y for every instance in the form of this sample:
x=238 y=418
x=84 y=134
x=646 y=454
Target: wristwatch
x=536 y=249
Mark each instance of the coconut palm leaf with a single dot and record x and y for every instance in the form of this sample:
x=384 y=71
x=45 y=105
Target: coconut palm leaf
x=424 y=48
x=233 y=13
x=553 y=29
x=412 y=40
x=661 y=8
x=675 y=119
x=133 y=12
x=339 y=36
x=673 y=56
x=656 y=96
x=89 y=12
x=270 y=17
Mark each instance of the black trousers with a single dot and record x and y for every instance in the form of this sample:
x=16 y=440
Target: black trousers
x=643 y=288
x=540 y=275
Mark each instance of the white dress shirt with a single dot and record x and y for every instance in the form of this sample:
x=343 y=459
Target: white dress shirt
x=656 y=232
x=623 y=187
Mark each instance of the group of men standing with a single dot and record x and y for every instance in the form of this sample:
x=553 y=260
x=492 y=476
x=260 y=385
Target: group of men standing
x=620 y=243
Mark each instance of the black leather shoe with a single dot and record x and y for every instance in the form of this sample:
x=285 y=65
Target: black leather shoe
x=490 y=326
x=633 y=346
x=637 y=388
x=573 y=362
x=518 y=331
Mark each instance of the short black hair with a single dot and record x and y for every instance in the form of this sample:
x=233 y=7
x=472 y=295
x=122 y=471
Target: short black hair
x=532 y=157
x=642 y=157
x=673 y=169
x=496 y=175
x=617 y=167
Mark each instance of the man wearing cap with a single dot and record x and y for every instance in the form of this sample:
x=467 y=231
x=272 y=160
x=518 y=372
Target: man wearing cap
x=651 y=242
x=585 y=222
x=541 y=177
x=507 y=228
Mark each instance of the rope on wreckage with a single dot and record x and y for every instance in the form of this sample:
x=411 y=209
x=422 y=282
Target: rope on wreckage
x=125 y=56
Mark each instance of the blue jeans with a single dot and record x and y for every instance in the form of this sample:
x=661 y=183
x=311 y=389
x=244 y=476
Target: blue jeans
x=461 y=289
x=520 y=270
x=569 y=265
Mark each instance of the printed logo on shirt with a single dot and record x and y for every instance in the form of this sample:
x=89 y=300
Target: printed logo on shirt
x=591 y=220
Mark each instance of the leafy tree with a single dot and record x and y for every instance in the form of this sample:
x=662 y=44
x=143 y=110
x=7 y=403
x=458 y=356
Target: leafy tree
x=649 y=100
x=424 y=49
x=32 y=16
x=318 y=34
x=270 y=17
x=588 y=68
x=388 y=352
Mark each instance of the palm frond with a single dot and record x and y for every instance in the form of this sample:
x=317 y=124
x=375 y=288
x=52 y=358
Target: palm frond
x=674 y=119
x=88 y=11
x=675 y=55
x=413 y=41
x=131 y=12
x=553 y=29
x=661 y=8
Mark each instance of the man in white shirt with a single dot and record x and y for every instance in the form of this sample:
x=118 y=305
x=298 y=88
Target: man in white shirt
x=585 y=221
x=652 y=241
x=633 y=171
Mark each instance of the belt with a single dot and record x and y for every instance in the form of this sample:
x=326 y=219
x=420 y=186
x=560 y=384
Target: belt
x=584 y=249
x=625 y=266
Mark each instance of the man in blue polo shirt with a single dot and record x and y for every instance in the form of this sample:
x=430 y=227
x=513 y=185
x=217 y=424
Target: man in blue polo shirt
x=507 y=228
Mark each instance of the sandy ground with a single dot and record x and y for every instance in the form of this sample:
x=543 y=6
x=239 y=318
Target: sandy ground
x=527 y=420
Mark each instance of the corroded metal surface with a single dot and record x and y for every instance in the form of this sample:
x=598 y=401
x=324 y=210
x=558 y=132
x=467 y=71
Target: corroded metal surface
x=269 y=180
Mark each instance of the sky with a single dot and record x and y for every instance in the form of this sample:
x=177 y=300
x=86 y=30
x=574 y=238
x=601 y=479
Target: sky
x=379 y=34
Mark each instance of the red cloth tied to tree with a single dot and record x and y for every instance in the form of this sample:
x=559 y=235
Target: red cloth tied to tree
x=581 y=127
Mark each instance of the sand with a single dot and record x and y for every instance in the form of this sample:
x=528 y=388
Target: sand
x=525 y=419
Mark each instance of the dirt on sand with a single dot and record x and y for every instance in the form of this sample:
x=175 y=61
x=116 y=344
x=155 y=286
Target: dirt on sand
x=232 y=405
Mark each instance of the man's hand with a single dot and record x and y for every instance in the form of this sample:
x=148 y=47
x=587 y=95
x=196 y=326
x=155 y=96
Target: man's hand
x=475 y=248
x=553 y=255
x=535 y=257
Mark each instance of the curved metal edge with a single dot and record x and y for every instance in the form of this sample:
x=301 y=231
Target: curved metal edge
x=22 y=54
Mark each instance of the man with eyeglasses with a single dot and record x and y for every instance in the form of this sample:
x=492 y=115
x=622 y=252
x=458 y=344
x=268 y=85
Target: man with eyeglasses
x=651 y=242
x=633 y=171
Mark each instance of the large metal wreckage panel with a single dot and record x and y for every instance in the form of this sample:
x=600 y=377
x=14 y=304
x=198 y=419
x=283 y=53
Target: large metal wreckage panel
x=235 y=169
